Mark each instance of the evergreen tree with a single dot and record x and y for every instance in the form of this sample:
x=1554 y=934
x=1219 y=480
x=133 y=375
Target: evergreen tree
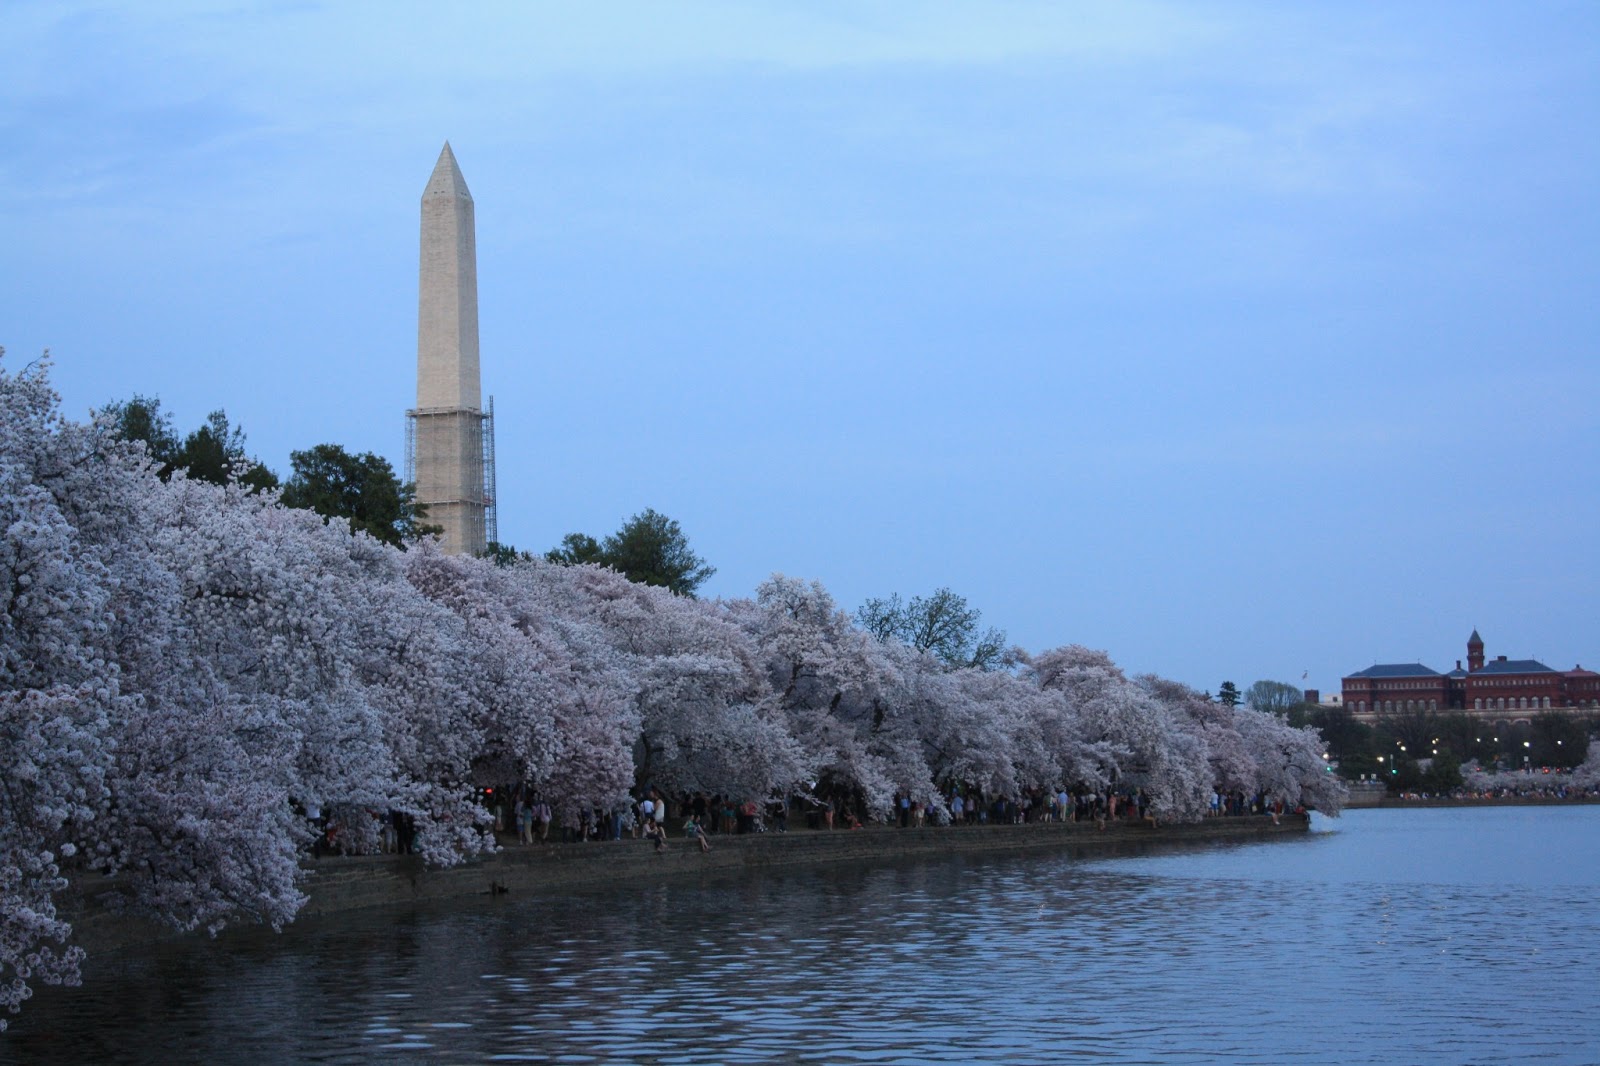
x=215 y=452
x=360 y=488
x=649 y=549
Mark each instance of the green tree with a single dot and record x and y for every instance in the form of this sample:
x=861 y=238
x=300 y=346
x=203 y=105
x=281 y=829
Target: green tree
x=942 y=624
x=650 y=549
x=1228 y=694
x=1465 y=738
x=576 y=549
x=142 y=419
x=1559 y=739
x=360 y=488
x=1417 y=731
x=1443 y=774
x=1351 y=744
x=215 y=452
x=504 y=554
x=1404 y=774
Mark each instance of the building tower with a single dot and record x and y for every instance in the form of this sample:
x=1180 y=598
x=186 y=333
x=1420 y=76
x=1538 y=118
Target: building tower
x=1474 y=652
x=449 y=435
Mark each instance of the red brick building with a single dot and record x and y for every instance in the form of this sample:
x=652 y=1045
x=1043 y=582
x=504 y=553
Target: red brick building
x=1498 y=690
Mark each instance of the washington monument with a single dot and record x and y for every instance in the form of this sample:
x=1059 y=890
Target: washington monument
x=449 y=436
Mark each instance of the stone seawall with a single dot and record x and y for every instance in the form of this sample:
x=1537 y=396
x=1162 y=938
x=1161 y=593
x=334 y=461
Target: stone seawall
x=338 y=884
x=343 y=884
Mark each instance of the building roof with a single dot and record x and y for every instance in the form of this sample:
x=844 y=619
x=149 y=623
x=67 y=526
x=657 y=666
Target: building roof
x=1457 y=672
x=1474 y=639
x=1397 y=670
x=1513 y=666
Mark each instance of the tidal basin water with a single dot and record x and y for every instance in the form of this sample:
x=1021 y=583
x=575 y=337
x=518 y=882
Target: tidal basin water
x=1413 y=936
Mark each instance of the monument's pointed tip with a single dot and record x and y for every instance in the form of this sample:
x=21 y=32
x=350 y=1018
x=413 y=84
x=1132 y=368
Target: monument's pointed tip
x=446 y=179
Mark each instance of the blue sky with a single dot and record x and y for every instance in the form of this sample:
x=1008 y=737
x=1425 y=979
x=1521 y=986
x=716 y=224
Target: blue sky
x=1241 y=340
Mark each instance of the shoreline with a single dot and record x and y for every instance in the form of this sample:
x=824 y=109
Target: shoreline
x=336 y=884
x=1400 y=802
x=344 y=883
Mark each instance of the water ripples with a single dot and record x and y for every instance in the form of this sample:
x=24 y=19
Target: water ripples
x=1221 y=954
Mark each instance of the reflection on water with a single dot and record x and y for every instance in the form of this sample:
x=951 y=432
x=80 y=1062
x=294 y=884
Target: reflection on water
x=1399 y=936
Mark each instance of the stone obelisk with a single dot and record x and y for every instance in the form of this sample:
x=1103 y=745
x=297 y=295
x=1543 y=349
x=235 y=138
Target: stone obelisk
x=447 y=427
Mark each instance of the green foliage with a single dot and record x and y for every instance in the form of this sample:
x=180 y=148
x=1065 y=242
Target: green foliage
x=650 y=549
x=504 y=554
x=1228 y=694
x=1417 y=731
x=577 y=548
x=942 y=624
x=1465 y=738
x=142 y=419
x=1350 y=743
x=215 y=452
x=360 y=488
x=1443 y=775
x=1559 y=740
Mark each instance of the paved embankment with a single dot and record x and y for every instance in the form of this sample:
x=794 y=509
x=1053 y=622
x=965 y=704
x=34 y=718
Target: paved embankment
x=341 y=883
x=347 y=883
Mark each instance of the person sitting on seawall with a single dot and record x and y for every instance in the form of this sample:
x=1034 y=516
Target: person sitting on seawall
x=696 y=832
x=656 y=835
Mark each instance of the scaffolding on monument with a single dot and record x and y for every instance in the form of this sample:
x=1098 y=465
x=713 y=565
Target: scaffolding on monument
x=478 y=508
x=491 y=511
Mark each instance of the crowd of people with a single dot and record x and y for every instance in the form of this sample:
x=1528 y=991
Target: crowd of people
x=522 y=814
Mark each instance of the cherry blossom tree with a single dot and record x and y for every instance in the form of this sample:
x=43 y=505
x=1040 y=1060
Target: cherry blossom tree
x=58 y=693
x=829 y=680
x=1142 y=740
x=1290 y=764
x=1215 y=725
x=196 y=682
